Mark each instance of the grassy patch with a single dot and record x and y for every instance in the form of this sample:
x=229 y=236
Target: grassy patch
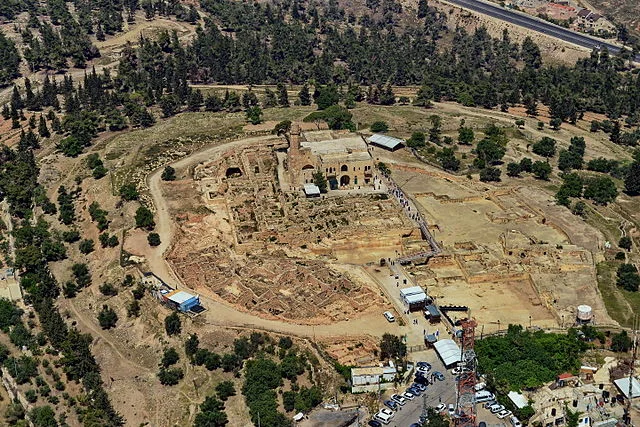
x=615 y=300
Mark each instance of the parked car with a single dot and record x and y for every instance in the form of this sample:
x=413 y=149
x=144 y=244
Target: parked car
x=415 y=391
x=421 y=379
x=423 y=365
x=479 y=386
x=482 y=424
x=389 y=316
x=441 y=407
x=408 y=395
x=515 y=422
x=438 y=375
x=387 y=412
x=489 y=404
x=452 y=409
x=391 y=404
x=399 y=399
x=503 y=414
x=496 y=408
x=374 y=423
x=484 y=396
x=419 y=386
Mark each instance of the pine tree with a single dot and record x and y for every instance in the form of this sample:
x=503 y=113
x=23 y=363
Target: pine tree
x=283 y=97
x=304 y=96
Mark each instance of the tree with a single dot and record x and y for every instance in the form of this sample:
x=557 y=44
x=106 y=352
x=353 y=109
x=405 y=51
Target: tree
x=568 y=160
x=169 y=357
x=171 y=376
x=129 y=192
x=572 y=184
x=282 y=127
x=513 y=169
x=172 y=324
x=417 y=140
x=254 y=115
x=555 y=123
x=632 y=179
x=579 y=208
x=625 y=242
x=191 y=345
x=541 y=170
x=601 y=190
x=520 y=123
x=621 y=342
x=225 y=390
x=336 y=116
x=379 y=126
x=628 y=278
x=465 y=135
x=326 y=96
x=436 y=128
x=86 y=246
x=212 y=414
x=489 y=151
x=144 y=218
x=43 y=130
x=392 y=347
x=168 y=174
x=304 y=96
x=546 y=147
x=526 y=164
x=43 y=416
x=283 y=97
x=153 y=239
x=489 y=174
x=320 y=180
x=448 y=159
x=107 y=318
x=133 y=309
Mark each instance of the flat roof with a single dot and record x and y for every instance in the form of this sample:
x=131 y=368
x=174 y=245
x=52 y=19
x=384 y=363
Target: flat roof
x=311 y=190
x=367 y=370
x=411 y=291
x=180 y=296
x=448 y=351
x=518 y=399
x=623 y=385
x=433 y=310
x=335 y=146
x=414 y=298
x=385 y=141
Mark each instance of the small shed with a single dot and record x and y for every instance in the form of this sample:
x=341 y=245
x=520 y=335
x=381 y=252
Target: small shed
x=181 y=300
x=432 y=313
x=449 y=352
x=386 y=142
x=414 y=298
x=311 y=190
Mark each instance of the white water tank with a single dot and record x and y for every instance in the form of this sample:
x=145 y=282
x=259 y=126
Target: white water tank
x=585 y=313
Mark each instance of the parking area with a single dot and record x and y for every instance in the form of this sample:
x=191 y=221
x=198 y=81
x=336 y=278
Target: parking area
x=436 y=393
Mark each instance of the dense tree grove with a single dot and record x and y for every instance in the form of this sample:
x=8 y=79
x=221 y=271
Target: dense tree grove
x=251 y=43
x=524 y=359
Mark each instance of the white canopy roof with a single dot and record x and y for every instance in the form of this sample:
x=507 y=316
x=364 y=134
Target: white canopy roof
x=448 y=351
x=385 y=141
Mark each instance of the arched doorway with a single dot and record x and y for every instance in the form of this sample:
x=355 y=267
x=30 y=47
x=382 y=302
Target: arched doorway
x=344 y=168
x=307 y=167
x=344 y=180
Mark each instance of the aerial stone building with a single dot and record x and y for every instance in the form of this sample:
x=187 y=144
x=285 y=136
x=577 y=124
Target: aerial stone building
x=344 y=161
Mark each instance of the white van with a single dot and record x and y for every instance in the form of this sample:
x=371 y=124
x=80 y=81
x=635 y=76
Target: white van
x=389 y=316
x=382 y=417
x=484 y=396
x=479 y=386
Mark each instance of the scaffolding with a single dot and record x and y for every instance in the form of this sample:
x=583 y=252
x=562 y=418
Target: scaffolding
x=465 y=415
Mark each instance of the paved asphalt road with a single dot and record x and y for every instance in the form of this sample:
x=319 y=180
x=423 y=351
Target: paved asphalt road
x=534 y=24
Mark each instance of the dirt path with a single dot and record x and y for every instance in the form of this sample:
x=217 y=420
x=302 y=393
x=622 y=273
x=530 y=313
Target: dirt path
x=219 y=313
